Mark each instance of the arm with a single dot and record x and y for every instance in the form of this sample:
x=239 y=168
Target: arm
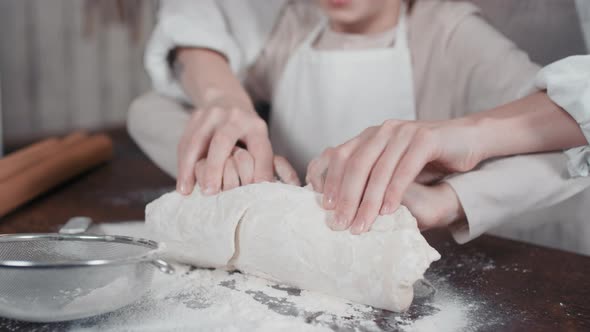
x=225 y=115
x=567 y=83
x=206 y=76
x=406 y=148
x=531 y=124
x=503 y=189
x=396 y=152
x=236 y=29
x=212 y=45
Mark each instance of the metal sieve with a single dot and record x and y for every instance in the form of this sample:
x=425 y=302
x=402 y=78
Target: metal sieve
x=58 y=277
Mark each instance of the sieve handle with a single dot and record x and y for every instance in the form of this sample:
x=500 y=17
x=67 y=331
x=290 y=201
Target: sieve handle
x=76 y=225
x=163 y=266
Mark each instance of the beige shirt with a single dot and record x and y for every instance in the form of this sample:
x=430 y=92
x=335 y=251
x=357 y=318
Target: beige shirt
x=460 y=65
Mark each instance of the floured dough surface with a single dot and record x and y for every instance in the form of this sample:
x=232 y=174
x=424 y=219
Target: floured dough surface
x=279 y=232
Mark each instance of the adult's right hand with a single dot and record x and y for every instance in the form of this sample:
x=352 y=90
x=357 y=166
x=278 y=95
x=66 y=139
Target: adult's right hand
x=212 y=133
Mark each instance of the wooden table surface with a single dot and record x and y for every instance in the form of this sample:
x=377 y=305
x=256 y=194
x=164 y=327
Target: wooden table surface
x=530 y=287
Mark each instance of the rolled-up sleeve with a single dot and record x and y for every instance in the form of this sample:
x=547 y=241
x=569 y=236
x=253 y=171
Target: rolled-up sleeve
x=235 y=29
x=567 y=83
x=501 y=190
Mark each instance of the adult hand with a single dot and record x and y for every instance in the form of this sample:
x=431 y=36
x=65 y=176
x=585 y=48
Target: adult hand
x=212 y=133
x=238 y=170
x=369 y=174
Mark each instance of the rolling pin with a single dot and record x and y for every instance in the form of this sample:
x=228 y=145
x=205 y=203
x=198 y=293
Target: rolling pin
x=34 y=154
x=69 y=161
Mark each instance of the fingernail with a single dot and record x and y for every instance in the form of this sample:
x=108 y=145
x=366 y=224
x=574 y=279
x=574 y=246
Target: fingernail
x=209 y=190
x=261 y=179
x=386 y=209
x=358 y=228
x=339 y=223
x=329 y=202
x=183 y=188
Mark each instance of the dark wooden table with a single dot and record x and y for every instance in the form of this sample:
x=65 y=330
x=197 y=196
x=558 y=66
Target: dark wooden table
x=532 y=288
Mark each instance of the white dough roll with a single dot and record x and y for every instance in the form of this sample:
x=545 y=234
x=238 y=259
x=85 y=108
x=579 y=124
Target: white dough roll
x=197 y=229
x=279 y=232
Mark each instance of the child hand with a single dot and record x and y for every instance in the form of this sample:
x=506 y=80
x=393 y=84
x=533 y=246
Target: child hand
x=433 y=206
x=239 y=170
x=210 y=137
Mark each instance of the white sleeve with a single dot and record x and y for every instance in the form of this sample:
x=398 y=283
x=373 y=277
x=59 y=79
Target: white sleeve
x=236 y=29
x=568 y=84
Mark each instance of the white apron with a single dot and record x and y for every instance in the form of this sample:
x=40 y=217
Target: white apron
x=327 y=97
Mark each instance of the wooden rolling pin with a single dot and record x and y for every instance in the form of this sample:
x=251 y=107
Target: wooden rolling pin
x=22 y=159
x=66 y=163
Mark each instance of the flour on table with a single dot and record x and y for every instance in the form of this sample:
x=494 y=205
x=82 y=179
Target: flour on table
x=196 y=299
x=280 y=232
x=98 y=299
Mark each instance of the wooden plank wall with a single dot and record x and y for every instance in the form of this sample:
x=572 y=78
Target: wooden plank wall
x=55 y=77
x=584 y=12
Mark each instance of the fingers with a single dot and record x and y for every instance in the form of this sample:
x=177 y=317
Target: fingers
x=354 y=181
x=245 y=165
x=335 y=172
x=191 y=148
x=285 y=171
x=239 y=170
x=231 y=178
x=332 y=161
x=412 y=162
x=333 y=179
x=430 y=175
x=379 y=178
x=259 y=146
x=316 y=172
x=200 y=172
x=220 y=149
x=433 y=206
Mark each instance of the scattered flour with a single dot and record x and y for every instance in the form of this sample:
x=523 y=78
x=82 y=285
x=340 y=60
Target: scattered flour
x=195 y=299
x=99 y=299
x=203 y=300
x=453 y=315
x=215 y=300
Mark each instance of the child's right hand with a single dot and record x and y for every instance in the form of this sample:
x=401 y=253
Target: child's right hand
x=212 y=134
x=239 y=170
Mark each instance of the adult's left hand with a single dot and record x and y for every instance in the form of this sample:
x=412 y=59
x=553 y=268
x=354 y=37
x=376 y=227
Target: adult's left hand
x=371 y=173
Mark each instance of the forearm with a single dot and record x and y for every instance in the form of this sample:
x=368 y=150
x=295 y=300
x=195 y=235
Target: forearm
x=531 y=124
x=205 y=76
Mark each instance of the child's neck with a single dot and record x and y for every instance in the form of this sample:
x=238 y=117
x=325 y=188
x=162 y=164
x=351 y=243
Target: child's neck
x=382 y=21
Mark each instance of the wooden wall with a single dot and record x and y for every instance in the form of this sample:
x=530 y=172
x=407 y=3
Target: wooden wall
x=55 y=76
x=584 y=12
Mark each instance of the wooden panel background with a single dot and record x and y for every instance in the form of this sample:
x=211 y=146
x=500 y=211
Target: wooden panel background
x=584 y=12
x=56 y=77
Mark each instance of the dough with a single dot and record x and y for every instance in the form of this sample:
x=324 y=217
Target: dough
x=279 y=232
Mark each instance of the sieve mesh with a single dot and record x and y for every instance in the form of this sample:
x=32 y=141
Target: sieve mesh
x=48 y=290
